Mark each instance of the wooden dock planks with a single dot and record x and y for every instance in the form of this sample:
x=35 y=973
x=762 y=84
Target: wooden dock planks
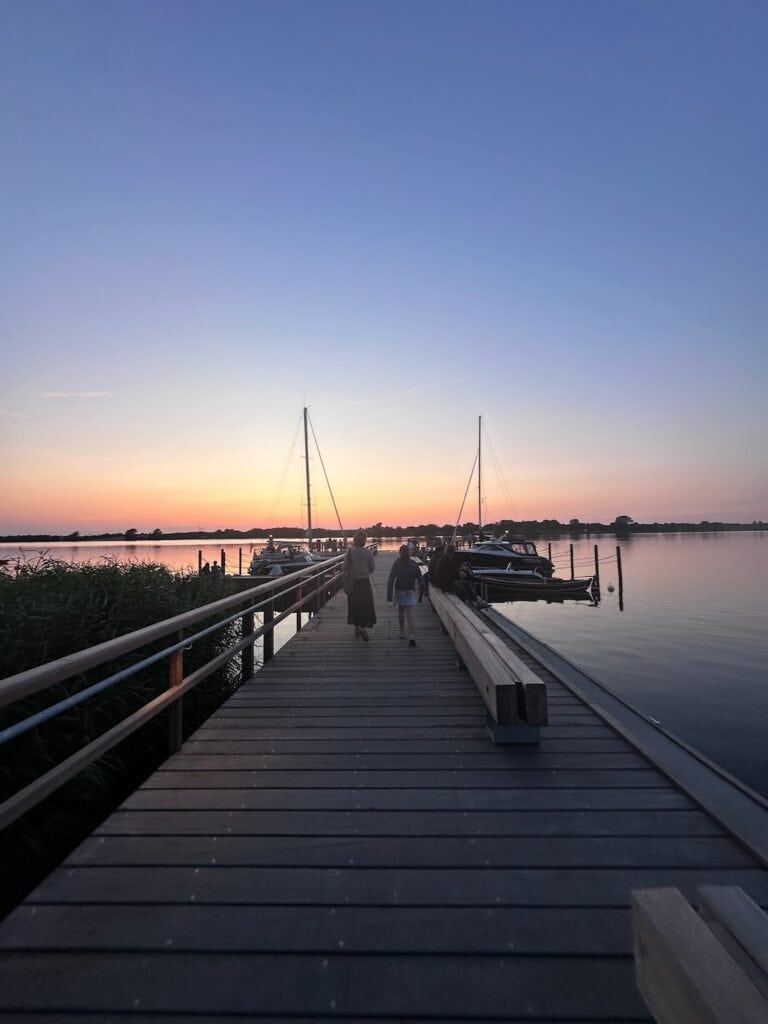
x=343 y=840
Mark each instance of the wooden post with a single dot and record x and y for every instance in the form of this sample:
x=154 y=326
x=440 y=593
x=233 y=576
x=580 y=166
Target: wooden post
x=621 y=575
x=572 y=571
x=223 y=562
x=240 y=562
x=269 y=635
x=597 y=569
x=621 y=580
x=549 y=551
x=176 y=710
x=246 y=661
x=200 y=562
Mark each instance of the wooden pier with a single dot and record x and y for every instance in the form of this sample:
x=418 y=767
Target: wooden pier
x=342 y=839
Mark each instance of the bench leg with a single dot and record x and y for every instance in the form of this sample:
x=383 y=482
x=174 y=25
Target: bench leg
x=517 y=733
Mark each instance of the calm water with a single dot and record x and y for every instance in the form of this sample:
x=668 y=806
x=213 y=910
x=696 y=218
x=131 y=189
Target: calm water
x=690 y=647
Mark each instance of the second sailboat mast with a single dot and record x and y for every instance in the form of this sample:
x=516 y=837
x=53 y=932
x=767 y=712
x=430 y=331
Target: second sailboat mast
x=479 y=474
x=309 y=501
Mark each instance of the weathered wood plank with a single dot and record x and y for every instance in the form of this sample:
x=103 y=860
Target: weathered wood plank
x=188 y=877
x=400 y=851
x=607 y=779
x=499 y=800
x=684 y=974
x=584 y=931
x=261 y=984
x=642 y=824
x=491 y=760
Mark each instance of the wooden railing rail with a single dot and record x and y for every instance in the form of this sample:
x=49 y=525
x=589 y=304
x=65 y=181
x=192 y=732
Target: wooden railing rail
x=24 y=684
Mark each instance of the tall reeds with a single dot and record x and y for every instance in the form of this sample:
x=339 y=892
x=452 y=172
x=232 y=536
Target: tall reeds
x=49 y=609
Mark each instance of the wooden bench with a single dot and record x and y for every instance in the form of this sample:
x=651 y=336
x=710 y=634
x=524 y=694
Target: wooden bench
x=709 y=967
x=515 y=697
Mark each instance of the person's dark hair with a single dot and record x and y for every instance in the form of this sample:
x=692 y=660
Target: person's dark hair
x=359 y=539
x=451 y=549
x=405 y=554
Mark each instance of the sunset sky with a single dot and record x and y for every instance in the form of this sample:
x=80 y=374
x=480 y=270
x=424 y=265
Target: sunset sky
x=551 y=213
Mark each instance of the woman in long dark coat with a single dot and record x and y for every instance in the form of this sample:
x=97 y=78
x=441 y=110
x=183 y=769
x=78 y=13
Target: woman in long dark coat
x=358 y=567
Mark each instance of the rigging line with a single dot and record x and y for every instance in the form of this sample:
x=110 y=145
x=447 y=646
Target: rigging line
x=322 y=463
x=466 y=492
x=281 y=488
x=499 y=474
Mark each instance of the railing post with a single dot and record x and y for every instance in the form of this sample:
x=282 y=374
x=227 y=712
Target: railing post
x=176 y=710
x=246 y=659
x=269 y=635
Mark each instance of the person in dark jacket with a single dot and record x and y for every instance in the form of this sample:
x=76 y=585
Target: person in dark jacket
x=358 y=567
x=404 y=578
x=434 y=558
x=451 y=577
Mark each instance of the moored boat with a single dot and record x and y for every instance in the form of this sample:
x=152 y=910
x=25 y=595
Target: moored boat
x=531 y=581
x=514 y=553
x=278 y=558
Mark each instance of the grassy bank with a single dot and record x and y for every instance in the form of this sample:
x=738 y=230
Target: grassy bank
x=50 y=609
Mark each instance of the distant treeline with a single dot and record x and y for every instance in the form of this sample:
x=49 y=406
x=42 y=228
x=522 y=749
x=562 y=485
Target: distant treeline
x=622 y=525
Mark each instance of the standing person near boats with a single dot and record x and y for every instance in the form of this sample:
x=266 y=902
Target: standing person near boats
x=358 y=568
x=404 y=577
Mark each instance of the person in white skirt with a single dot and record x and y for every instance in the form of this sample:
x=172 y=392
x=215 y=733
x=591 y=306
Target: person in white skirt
x=404 y=578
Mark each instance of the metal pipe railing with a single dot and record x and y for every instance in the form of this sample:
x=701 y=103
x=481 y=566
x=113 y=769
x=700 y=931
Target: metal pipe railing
x=24 y=684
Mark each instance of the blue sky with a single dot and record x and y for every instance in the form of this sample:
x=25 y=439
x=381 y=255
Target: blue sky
x=403 y=214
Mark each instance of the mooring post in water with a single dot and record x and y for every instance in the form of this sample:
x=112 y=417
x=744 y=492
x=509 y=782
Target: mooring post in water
x=549 y=551
x=597 y=569
x=621 y=580
x=269 y=635
x=573 y=575
x=223 y=562
x=240 y=562
x=200 y=562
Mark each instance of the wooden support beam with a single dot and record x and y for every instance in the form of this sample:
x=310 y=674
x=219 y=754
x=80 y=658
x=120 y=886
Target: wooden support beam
x=683 y=971
x=513 y=694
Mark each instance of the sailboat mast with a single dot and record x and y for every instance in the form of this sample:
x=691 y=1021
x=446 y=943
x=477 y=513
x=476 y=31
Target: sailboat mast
x=309 y=501
x=479 y=474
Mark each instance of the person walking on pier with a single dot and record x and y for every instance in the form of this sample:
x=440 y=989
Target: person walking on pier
x=358 y=568
x=404 y=577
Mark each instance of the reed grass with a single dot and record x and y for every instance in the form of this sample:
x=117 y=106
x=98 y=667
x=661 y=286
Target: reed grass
x=49 y=609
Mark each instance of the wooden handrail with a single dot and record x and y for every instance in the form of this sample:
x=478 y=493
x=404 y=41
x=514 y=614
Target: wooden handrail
x=34 y=680
x=24 y=684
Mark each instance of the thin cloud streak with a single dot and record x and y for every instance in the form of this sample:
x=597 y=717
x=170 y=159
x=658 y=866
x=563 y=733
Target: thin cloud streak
x=16 y=415
x=74 y=394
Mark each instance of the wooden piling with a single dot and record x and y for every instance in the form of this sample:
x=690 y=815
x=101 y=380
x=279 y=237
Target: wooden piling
x=621 y=580
x=239 y=561
x=223 y=562
x=573 y=574
x=200 y=562
x=597 y=569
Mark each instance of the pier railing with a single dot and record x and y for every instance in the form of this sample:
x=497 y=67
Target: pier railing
x=304 y=590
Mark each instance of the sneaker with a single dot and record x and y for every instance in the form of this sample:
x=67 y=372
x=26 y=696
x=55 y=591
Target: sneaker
x=364 y=634
x=411 y=642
